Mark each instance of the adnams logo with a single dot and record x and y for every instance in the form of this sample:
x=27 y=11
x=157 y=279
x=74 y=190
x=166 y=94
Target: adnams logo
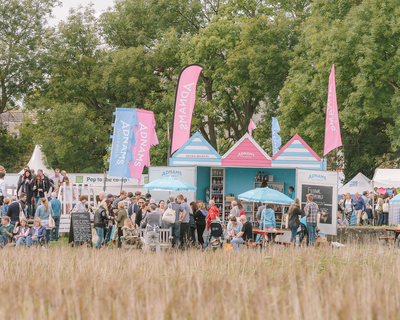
x=171 y=172
x=246 y=154
x=317 y=177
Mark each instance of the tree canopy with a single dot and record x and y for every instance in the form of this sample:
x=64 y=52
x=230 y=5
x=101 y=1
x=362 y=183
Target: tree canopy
x=260 y=57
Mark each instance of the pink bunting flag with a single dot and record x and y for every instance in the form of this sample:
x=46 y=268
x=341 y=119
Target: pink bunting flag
x=252 y=126
x=145 y=137
x=333 y=138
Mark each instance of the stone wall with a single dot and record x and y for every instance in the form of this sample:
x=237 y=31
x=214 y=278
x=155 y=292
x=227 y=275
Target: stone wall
x=360 y=235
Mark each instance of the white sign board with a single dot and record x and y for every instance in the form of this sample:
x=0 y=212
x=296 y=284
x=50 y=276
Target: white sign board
x=188 y=174
x=323 y=185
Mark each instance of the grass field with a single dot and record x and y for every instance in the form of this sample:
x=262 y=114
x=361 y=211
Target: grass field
x=80 y=283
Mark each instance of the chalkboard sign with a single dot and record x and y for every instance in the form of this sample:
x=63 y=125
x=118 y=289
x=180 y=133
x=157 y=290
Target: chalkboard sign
x=80 y=229
x=322 y=197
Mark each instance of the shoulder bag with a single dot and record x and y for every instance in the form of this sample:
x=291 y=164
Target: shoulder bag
x=52 y=223
x=169 y=215
x=21 y=213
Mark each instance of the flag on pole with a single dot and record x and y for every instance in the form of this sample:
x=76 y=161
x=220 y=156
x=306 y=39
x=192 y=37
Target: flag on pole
x=333 y=138
x=252 y=126
x=184 y=104
x=276 y=139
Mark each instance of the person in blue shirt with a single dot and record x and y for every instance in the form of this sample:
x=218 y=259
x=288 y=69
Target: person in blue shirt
x=359 y=207
x=56 y=206
x=292 y=193
x=267 y=221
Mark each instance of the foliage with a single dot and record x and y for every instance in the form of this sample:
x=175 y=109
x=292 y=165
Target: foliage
x=22 y=51
x=15 y=151
x=361 y=38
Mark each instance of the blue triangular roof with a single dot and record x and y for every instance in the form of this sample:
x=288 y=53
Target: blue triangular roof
x=196 y=151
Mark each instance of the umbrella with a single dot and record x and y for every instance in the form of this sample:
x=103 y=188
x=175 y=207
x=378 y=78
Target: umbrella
x=169 y=184
x=266 y=195
x=395 y=199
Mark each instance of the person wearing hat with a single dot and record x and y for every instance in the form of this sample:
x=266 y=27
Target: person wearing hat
x=21 y=232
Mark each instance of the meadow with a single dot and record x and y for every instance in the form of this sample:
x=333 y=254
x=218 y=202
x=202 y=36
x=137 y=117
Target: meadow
x=356 y=282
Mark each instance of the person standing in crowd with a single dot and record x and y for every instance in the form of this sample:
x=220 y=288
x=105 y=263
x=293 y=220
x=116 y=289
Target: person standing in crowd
x=128 y=201
x=15 y=208
x=101 y=219
x=33 y=173
x=370 y=214
x=57 y=180
x=176 y=226
x=4 y=207
x=359 y=207
x=38 y=191
x=26 y=187
x=311 y=211
x=341 y=204
x=200 y=218
x=259 y=211
x=385 y=209
x=348 y=207
x=6 y=231
x=234 y=228
x=111 y=222
x=37 y=233
x=240 y=206
x=267 y=221
x=43 y=212
x=68 y=194
x=184 y=219
x=235 y=212
x=192 y=223
x=213 y=214
x=21 y=179
x=138 y=196
x=161 y=209
x=21 y=232
x=2 y=185
x=292 y=194
x=365 y=198
x=141 y=215
x=122 y=197
x=131 y=235
x=294 y=220
x=46 y=182
x=56 y=208
x=246 y=234
x=121 y=216
x=63 y=174
x=147 y=197
x=379 y=209
x=153 y=225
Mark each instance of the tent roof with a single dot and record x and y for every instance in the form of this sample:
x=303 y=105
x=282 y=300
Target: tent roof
x=358 y=184
x=386 y=178
x=196 y=151
x=37 y=162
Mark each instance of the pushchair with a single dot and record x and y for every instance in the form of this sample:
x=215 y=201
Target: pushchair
x=215 y=235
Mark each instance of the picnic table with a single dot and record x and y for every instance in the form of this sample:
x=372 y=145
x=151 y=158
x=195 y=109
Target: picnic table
x=265 y=233
x=396 y=233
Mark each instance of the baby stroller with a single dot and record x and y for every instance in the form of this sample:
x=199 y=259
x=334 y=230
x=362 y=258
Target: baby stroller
x=215 y=234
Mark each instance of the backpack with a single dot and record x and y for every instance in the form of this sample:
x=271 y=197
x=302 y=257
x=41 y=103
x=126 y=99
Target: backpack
x=385 y=207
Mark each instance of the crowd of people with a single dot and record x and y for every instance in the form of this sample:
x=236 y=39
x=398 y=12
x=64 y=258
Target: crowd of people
x=361 y=209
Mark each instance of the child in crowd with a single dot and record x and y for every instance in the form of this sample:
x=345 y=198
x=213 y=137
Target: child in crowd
x=339 y=218
x=370 y=214
x=4 y=208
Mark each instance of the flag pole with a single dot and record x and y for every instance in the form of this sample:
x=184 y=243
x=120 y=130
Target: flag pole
x=168 y=139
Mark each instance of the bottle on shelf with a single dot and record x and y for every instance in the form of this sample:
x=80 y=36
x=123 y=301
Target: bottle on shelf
x=256 y=177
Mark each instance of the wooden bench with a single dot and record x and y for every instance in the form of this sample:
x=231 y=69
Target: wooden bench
x=386 y=239
x=165 y=238
x=253 y=244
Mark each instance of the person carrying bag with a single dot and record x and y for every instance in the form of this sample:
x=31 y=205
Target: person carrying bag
x=169 y=215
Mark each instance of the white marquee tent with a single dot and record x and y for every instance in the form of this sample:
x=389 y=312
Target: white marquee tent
x=386 y=178
x=37 y=162
x=358 y=184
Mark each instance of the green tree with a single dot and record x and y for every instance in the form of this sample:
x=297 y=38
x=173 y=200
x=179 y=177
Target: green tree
x=22 y=57
x=361 y=38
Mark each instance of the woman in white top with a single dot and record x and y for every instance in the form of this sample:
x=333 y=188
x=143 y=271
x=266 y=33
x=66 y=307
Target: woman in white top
x=68 y=193
x=348 y=207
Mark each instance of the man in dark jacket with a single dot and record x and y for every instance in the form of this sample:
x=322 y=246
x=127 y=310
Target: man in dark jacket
x=15 y=207
x=46 y=182
x=21 y=177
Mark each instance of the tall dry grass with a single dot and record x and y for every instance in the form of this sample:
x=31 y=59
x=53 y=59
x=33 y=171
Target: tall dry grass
x=290 y=283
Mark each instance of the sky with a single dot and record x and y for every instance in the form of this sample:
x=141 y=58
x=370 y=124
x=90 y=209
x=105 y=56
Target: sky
x=61 y=13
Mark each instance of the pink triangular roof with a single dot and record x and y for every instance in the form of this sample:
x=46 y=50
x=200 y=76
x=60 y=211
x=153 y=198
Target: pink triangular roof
x=246 y=153
x=296 y=137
